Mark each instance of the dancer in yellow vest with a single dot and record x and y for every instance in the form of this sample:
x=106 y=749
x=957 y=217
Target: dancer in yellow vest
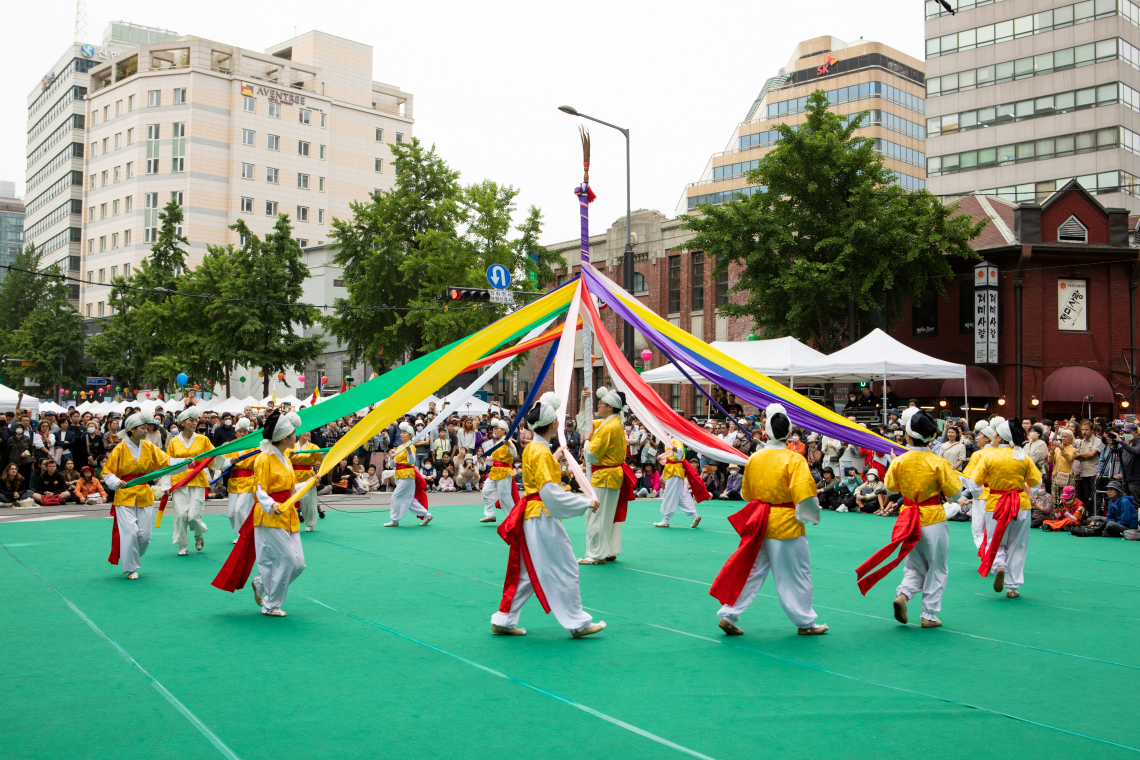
x=782 y=498
x=189 y=500
x=134 y=505
x=411 y=488
x=499 y=487
x=304 y=465
x=611 y=477
x=682 y=487
x=987 y=439
x=280 y=558
x=241 y=486
x=542 y=559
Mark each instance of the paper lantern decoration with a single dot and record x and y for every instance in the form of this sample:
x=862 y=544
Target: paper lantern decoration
x=182 y=379
x=261 y=373
x=324 y=379
x=300 y=378
x=148 y=395
x=118 y=389
x=646 y=355
x=280 y=375
x=241 y=379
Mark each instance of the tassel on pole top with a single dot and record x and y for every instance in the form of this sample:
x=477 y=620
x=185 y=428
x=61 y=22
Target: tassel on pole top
x=584 y=188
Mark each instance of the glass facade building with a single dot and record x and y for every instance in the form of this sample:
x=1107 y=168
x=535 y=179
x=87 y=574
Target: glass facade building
x=11 y=225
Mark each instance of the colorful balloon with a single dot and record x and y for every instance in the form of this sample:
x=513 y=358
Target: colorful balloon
x=300 y=378
x=182 y=379
x=646 y=355
x=241 y=379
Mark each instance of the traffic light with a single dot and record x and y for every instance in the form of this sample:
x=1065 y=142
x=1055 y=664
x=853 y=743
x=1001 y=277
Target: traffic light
x=467 y=294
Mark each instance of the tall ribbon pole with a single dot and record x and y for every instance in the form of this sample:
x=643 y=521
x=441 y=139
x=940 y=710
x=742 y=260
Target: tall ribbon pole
x=585 y=195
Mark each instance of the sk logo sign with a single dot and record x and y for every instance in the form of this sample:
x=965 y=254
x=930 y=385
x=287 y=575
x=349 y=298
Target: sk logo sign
x=821 y=70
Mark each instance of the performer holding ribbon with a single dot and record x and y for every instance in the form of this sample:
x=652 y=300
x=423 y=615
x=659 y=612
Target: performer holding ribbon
x=921 y=532
x=499 y=488
x=682 y=484
x=241 y=486
x=782 y=498
x=987 y=439
x=303 y=465
x=542 y=559
x=612 y=478
x=411 y=488
x=125 y=472
x=190 y=499
x=1007 y=473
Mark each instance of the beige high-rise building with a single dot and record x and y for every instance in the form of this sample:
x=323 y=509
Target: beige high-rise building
x=1024 y=95
x=857 y=76
x=301 y=129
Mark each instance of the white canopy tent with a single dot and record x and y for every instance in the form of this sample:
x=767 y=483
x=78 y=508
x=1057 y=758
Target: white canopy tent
x=51 y=406
x=423 y=405
x=784 y=359
x=10 y=397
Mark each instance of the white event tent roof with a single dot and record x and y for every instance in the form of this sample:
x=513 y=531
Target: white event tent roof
x=878 y=355
x=780 y=359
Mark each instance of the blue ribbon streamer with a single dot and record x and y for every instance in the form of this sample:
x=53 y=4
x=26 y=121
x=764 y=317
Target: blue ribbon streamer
x=546 y=364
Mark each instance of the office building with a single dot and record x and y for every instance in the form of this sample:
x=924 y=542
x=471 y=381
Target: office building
x=11 y=225
x=857 y=76
x=228 y=133
x=1024 y=95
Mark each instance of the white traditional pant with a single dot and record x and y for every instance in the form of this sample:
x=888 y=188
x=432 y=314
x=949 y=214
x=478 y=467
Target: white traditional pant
x=189 y=502
x=1014 y=546
x=404 y=499
x=497 y=491
x=926 y=568
x=677 y=493
x=603 y=535
x=135 y=526
x=239 y=505
x=790 y=562
x=308 y=506
x=978 y=520
x=557 y=570
x=280 y=560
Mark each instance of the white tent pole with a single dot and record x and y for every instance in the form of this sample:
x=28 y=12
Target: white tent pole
x=884 y=394
x=792 y=383
x=966 y=393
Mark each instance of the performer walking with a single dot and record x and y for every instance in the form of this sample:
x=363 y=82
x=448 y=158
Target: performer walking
x=542 y=560
x=190 y=499
x=240 y=486
x=682 y=484
x=986 y=439
x=1007 y=473
x=303 y=465
x=133 y=508
x=411 y=488
x=612 y=479
x=276 y=536
x=782 y=498
x=920 y=532
x=499 y=488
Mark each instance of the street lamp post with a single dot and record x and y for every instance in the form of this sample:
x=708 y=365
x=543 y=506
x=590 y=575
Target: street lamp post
x=627 y=260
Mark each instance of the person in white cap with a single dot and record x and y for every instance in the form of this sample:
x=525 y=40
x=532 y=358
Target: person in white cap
x=411 y=488
x=276 y=533
x=611 y=478
x=987 y=440
x=133 y=509
x=681 y=484
x=190 y=500
x=499 y=487
x=920 y=531
x=1008 y=474
x=303 y=464
x=240 y=486
x=782 y=498
x=542 y=560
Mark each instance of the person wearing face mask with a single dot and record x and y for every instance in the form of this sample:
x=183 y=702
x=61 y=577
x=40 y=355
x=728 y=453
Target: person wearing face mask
x=133 y=509
x=89 y=446
x=1036 y=448
x=189 y=501
x=781 y=500
x=20 y=451
x=1130 y=461
x=224 y=432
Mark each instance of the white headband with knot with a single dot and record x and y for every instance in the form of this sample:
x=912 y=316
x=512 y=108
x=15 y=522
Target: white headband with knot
x=771 y=411
x=137 y=419
x=611 y=397
x=548 y=407
x=189 y=413
x=286 y=425
x=406 y=428
x=502 y=425
x=243 y=424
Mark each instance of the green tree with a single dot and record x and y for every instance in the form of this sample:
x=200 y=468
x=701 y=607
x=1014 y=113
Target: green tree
x=827 y=229
x=539 y=262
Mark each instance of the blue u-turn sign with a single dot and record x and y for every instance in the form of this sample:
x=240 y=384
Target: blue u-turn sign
x=499 y=276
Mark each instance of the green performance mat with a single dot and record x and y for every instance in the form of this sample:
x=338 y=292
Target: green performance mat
x=387 y=651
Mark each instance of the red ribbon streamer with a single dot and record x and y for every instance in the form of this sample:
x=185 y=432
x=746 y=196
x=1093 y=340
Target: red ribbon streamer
x=113 y=558
x=700 y=492
x=239 y=564
x=905 y=535
x=514 y=485
x=511 y=531
x=750 y=523
x=1005 y=512
x=626 y=494
x=197 y=468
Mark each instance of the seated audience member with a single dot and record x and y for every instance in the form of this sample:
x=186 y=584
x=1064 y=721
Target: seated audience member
x=13 y=489
x=51 y=487
x=1121 y=511
x=468 y=476
x=430 y=475
x=1068 y=511
x=370 y=481
x=342 y=479
x=872 y=495
x=732 y=484
x=827 y=489
x=641 y=483
x=88 y=490
x=446 y=482
x=70 y=474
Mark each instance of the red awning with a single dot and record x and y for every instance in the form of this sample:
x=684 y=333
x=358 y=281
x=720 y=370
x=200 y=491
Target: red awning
x=907 y=389
x=981 y=384
x=1074 y=383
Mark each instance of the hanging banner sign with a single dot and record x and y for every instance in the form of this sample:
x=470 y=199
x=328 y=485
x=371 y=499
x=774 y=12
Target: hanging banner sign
x=1071 y=296
x=985 y=313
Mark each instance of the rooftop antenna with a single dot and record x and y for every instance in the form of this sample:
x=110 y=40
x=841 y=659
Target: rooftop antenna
x=80 y=21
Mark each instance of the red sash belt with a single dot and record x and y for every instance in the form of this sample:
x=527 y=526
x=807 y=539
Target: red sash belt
x=114 y=556
x=700 y=492
x=626 y=493
x=241 y=473
x=301 y=467
x=514 y=485
x=239 y=564
x=197 y=468
x=511 y=531
x=1005 y=512
x=751 y=523
x=905 y=535
x=421 y=486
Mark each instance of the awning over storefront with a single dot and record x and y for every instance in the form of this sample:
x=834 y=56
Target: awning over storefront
x=1074 y=384
x=981 y=385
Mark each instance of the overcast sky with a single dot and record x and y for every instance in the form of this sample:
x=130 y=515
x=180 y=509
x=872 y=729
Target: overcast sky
x=488 y=77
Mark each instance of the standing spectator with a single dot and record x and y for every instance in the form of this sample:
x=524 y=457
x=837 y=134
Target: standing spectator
x=649 y=452
x=223 y=433
x=43 y=442
x=441 y=445
x=111 y=436
x=1130 y=461
x=1121 y=511
x=20 y=451
x=1036 y=447
x=634 y=435
x=953 y=450
x=795 y=444
x=64 y=441
x=13 y=488
x=1064 y=463
x=1088 y=455
x=466 y=434
x=573 y=439
x=732 y=407
x=88 y=447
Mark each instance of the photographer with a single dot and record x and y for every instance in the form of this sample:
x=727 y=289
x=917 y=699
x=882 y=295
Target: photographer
x=1130 y=461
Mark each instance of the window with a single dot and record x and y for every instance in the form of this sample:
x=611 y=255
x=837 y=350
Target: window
x=302 y=213
x=179 y=96
x=379 y=134
x=275 y=110
x=105 y=177
x=102 y=210
x=114 y=270
x=89 y=311
x=150 y=217
x=271 y=208
x=302 y=148
x=322 y=153
x=304 y=243
x=118 y=108
x=247 y=171
x=1072 y=231
x=320 y=216
x=674 y=284
x=91 y=183
x=247 y=137
x=303 y=181
x=178 y=148
x=114 y=208
x=131 y=136
x=95 y=117
x=94 y=149
x=154 y=98
x=698 y=402
x=100 y=308
x=675 y=396
x=102 y=276
x=304 y=115
x=273 y=142
x=399 y=137
x=126 y=241
x=106 y=113
x=130 y=169
x=697 y=279
x=925 y=314
x=118 y=140
x=90 y=250
x=249 y=105
x=114 y=245
x=127 y=267
x=106 y=143
x=117 y=170
x=321 y=184
x=640 y=284
x=90 y=213
x=176 y=196
x=323 y=120
x=152 y=132
x=130 y=107
x=379 y=164
x=247 y=205
x=721 y=284
x=128 y=203
x=271 y=175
